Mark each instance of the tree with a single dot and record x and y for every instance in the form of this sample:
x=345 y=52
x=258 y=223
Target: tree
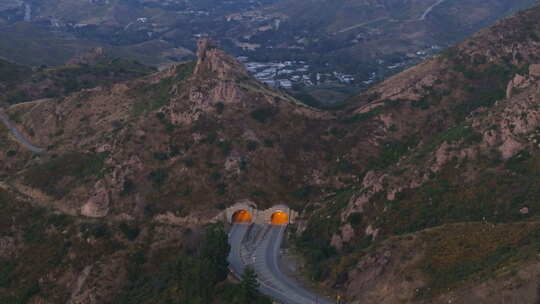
x=216 y=250
x=249 y=284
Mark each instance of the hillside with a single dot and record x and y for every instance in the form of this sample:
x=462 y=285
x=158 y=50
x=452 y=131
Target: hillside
x=11 y=74
x=157 y=137
x=49 y=257
x=420 y=190
x=89 y=70
x=454 y=216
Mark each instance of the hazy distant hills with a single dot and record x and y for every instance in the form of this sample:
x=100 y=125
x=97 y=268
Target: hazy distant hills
x=353 y=33
x=154 y=32
x=350 y=35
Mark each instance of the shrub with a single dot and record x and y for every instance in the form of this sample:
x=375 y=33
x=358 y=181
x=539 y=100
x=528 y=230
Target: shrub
x=158 y=177
x=252 y=145
x=161 y=156
x=262 y=115
x=225 y=147
x=128 y=187
x=188 y=162
x=391 y=152
x=130 y=231
x=97 y=230
x=220 y=107
x=221 y=188
x=215 y=176
x=355 y=219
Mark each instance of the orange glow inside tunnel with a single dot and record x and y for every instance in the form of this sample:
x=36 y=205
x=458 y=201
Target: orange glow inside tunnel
x=280 y=218
x=242 y=216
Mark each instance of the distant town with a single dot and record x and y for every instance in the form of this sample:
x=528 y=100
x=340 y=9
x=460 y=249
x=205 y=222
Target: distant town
x=287 y=74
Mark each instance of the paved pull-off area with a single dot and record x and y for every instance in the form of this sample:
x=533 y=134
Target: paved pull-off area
x=18 y=136
x=259 y=246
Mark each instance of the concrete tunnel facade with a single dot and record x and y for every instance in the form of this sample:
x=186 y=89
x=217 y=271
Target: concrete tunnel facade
x=247 y=212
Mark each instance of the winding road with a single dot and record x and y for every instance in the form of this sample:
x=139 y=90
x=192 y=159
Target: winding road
x=429 y=9
x=421 y=18
x=259 y=246
x=17 y=135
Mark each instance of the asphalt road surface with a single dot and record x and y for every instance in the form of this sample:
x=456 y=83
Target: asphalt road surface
x=18 y=136
x=429 y=9
x=259 y=247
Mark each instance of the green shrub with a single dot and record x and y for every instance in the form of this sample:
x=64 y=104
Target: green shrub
x=128 y=187
x=220 y=107
x=263 y=115
x=158 y=177
x=391 y=152
x=225 y=147
x=96 y=230
x=355 y=218
x=130 y=231
x=252 y=145
x=7 y=269
x=461 y=133
x=162 y=156
x=215 y=176
x=188 y=162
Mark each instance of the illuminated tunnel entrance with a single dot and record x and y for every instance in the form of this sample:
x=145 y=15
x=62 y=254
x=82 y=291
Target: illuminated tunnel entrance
x=242 y=216
x=279 y=218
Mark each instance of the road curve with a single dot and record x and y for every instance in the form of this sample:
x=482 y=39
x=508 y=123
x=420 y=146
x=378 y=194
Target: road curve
x=429 y=9
x=263 y=256
x=18 y=136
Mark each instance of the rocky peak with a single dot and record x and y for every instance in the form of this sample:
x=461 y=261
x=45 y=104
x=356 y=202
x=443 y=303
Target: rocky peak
x=215 y=62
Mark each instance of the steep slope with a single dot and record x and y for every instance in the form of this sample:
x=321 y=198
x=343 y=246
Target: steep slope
x=172 y=140
x=48 y=257
x=455 y=217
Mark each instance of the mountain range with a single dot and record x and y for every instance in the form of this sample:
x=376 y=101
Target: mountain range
x=422 y=189
x=363 y=41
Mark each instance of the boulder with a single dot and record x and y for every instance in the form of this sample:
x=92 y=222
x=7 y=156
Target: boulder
x=98 y=204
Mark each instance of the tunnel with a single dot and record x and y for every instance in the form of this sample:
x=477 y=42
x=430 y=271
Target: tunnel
x=242 y=216
x=279 y=218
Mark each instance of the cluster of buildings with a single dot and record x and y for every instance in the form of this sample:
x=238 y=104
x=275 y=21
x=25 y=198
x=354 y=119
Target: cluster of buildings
x=288 y=73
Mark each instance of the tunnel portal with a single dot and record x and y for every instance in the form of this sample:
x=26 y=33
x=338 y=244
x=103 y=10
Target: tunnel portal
x=242 y=216
x=247 y=212
x=279 y=218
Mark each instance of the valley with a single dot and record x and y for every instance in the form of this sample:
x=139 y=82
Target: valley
x=179 y=182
